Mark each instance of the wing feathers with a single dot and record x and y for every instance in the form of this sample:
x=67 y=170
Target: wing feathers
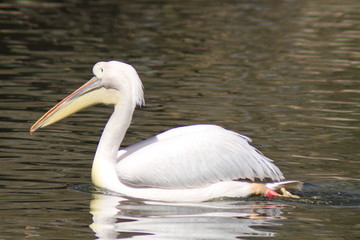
x=193 y=156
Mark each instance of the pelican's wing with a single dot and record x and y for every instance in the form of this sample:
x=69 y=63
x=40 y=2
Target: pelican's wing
x=193 y=156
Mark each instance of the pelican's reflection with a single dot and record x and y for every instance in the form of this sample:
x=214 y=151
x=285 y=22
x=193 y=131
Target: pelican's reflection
x=115 y=217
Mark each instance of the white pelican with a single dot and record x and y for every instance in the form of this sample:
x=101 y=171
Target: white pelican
x=185 y=164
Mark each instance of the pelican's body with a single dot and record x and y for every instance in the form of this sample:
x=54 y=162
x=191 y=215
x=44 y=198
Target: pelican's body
x=191 y=163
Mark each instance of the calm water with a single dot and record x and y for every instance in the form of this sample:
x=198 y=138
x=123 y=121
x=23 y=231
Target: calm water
x=285 y=73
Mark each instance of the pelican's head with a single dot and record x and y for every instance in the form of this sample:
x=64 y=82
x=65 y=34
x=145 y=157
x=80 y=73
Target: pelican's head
x=113 y=81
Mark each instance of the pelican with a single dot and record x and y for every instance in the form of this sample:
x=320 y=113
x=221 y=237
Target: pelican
x=185 y=164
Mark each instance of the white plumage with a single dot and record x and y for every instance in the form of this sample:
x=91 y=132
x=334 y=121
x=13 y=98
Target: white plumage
x=191 y=163
x=195 y=156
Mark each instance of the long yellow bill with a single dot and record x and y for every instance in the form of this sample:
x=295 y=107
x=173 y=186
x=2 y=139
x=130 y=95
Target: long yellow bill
x=89 y=94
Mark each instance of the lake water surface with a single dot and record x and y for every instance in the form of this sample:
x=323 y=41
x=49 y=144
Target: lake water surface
x=285 y=73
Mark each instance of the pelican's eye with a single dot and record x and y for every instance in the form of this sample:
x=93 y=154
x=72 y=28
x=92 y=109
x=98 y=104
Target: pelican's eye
x=98 y=70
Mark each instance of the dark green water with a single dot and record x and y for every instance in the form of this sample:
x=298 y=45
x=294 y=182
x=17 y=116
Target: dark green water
x=285 y=73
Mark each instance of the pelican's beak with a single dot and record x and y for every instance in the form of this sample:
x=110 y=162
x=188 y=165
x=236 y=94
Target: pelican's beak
x=91 y=93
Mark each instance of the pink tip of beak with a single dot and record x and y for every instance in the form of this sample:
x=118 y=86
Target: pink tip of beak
x=271 y=193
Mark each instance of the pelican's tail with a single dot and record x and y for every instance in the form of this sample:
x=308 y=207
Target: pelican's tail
x=285 y=184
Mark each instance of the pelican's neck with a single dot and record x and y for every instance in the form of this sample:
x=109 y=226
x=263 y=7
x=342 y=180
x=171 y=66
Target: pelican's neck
x=114 y=132
x=103 y=172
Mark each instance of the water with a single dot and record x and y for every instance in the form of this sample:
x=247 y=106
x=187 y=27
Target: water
x=284 y=73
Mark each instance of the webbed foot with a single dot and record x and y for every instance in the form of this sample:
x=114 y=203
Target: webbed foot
x=285 y=193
